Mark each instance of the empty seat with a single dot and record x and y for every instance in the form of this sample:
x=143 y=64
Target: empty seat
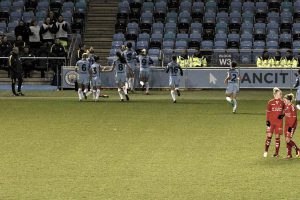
x=158 y=28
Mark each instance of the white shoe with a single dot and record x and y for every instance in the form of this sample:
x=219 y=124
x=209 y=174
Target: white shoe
x=265 y=154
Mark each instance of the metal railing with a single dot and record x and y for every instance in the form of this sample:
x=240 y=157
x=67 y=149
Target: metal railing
x=55 y=66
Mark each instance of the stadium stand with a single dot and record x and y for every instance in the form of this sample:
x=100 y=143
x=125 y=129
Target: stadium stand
x=243 y=28
x=27 y=18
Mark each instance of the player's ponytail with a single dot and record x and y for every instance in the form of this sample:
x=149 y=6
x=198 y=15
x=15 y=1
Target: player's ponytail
x=289 y=97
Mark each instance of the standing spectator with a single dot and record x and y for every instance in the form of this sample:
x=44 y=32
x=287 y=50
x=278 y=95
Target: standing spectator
x=28 y=63
x=62 y=29
x=34 y=38
x=31 y=5
x=57 y=50
x=22 y=30
x=47 y=32
x=5 y=49
x=80 y=51
x=16 y=71
x=20 y=44
x=53 y=18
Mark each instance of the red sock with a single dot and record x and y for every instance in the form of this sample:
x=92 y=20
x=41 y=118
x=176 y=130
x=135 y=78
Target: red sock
x=267 y=143
x=289 y=149
x=293 y=144
x=277 y=145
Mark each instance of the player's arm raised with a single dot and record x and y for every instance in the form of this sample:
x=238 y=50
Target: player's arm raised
x=227 y=78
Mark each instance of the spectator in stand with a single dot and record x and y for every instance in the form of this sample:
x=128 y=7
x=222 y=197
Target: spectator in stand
x=80 y=51
x=62 y=29
x=53 y=18
x=28 y=64
x=263 y=61
x=22 y=30
x=47 y=32
x=57 y=50
x=5 y=50
x=31 y=5
x=42 y=63
x=34 y=38
x=20 y=44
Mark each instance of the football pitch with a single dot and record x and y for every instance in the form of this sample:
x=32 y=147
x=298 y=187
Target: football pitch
x=54 y=147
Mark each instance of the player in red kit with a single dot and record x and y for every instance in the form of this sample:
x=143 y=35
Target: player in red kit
x=290 y=114
x=274 y=123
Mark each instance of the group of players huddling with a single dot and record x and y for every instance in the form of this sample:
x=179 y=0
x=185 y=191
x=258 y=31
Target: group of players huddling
x=125 y=66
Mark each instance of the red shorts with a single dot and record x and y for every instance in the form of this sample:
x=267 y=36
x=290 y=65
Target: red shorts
x=287 y=133
x=275 y=128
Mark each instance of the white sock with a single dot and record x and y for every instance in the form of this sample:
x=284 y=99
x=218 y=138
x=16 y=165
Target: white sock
x=125 y=89
x=89 y=92
x=94 y=94
x=132 y=83
x=98 y=94
x=173 y=95
x=80 y=95
x=142 y=83
x=147 y=86
x=129 y=83
x=120 y=93
x=228 y=99
x=235 y=104
x=298 y=107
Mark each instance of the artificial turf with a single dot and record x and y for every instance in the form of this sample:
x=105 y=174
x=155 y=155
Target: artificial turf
x=54 y=147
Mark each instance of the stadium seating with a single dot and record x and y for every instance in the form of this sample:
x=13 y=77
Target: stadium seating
x=12 y=11
x=243 y=28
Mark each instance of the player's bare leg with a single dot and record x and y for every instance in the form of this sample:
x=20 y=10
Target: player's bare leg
x=229 y=98
x=120 y=94
x=80 y=94
x=125 y=87
x=85 y=91
x=234 y=103
x=267 y=143
x=147 y=87
x=298 y=105
x=178 y=92
x=173 y=95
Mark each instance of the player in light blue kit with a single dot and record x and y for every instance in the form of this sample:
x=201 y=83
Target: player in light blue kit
x=121 y=68
x=174 y=70
x=144 y=64
x=130 y=56
x=231 y=81
x=297 y=86
x=96 y=70
x=83 y=70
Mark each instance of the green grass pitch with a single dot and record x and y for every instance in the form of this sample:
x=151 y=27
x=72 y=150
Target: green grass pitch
x=54 y=147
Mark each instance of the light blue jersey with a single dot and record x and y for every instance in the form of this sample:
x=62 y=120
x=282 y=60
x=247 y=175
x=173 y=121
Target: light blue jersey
x=83 y=66
x=120 y=72
x=130 y=56
x=297 y=86
x=173 y=68
x=233 y=74
x=145 y=62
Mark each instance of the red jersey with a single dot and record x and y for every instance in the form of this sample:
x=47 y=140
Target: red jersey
x=290 y=113
x=274 y=109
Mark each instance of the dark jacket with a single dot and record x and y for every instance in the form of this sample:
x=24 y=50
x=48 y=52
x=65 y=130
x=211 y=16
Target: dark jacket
x=5 y=48
x=22 y=31
x=15 y=64
x=58 y=50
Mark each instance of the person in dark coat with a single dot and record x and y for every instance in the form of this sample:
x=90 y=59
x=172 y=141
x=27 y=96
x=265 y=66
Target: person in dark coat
x=22 y=30
x=16 y=71
x=28 y=63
